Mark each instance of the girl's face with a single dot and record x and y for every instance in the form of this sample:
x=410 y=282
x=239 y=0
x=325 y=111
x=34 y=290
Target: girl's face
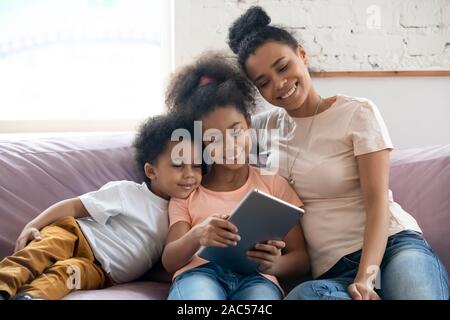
x=232 y=148
x=280 y=74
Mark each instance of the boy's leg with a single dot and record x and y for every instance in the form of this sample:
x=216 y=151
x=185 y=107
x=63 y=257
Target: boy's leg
x=201 y=283
x=256 y=287
x=65 y=276
x=60 y=241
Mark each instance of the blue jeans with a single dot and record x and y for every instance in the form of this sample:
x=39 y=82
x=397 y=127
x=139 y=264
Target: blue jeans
x=212 y=282
x=410 y=270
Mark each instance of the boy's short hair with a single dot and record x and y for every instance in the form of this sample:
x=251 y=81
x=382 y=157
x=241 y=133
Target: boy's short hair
x=155 y=133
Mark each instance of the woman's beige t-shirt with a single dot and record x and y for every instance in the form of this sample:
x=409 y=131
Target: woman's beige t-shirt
x=326 y=173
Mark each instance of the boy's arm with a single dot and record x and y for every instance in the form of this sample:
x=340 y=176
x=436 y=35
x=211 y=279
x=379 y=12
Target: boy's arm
x=71 y=207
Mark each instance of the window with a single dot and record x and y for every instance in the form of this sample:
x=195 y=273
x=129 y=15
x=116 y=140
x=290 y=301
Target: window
x=70 y=63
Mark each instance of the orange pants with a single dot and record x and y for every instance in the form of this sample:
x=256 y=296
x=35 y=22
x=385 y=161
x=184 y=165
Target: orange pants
x=54 y=266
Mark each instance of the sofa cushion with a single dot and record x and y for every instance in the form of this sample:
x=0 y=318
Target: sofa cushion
x=127 y=291
x=420 y=182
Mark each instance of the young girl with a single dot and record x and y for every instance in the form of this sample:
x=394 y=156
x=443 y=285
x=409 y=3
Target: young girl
x=215 y=92
x=338 y=160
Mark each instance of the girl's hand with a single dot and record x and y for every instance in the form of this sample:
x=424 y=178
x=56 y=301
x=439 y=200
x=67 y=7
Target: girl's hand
x=217 y=231
x=266 y=255
x=28 y=234
x=359 y=290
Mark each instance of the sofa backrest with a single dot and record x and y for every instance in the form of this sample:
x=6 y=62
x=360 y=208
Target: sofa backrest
x=36 y=173
x=420 y=182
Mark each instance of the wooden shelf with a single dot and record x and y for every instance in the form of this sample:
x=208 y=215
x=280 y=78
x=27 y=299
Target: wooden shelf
x=369 y=74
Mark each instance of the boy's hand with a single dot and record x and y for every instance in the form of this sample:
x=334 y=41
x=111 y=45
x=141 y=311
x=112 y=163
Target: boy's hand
x=267 y=254
x=28 y=234
x=217 y=231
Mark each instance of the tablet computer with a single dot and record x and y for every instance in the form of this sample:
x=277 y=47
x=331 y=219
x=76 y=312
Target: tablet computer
x=259 y=217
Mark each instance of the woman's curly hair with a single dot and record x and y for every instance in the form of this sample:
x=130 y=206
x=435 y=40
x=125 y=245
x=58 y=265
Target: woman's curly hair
x=226 y=85
x=251 y=30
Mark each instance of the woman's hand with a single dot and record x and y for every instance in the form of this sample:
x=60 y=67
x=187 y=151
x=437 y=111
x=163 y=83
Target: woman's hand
x=28 y=234
x=266 y=255
x=360 y=290
x=217 y=231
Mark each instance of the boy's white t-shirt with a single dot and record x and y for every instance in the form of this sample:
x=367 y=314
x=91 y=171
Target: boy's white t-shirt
x=127 y=228
x=326 y=173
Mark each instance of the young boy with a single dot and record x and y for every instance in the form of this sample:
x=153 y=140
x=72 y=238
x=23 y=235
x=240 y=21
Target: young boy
x=114 y=234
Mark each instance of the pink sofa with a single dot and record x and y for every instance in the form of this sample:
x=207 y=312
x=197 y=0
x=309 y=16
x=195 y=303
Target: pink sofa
x=35 y=173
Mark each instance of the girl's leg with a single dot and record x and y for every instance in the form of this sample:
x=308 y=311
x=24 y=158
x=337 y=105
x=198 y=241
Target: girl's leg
x=256 y=287
x=327 y=289
x=200 y=283
x=65 y=276
x=411 y=270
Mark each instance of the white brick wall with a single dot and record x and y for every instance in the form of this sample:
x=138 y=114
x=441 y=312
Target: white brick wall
x=337 y=34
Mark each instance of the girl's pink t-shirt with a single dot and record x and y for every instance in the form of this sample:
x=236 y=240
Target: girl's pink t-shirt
x=203 y=203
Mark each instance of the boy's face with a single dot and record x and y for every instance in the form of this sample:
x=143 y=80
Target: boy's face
x=174 y=174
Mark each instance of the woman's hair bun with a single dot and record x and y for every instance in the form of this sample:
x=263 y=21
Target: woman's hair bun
x=253 y=20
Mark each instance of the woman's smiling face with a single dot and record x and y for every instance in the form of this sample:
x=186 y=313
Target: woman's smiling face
x=280 y=74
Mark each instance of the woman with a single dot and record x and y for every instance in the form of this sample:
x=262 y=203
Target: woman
x=335 y=152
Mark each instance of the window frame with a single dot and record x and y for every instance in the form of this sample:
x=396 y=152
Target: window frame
x=101 y=125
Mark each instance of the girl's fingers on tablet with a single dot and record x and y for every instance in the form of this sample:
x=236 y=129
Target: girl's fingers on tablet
x=225 y=241
x=261 y=256
x=258 y=260
x=277 y=243
x=228 y=235
x=268 y=248
x=216 y=243
x=224 y=224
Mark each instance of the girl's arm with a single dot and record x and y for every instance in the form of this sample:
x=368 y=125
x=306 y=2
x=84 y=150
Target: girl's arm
x=286 y=259
x=374 y=177
x=71 y=207
x=294 y=263
x=181 y=245
x=183 y=241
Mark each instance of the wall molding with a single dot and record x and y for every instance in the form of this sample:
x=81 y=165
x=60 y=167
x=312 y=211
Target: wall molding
x=369 y=74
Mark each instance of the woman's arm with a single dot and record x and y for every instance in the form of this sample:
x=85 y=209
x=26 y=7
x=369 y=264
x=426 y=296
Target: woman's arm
x=71 y=207
x=183 y=241
x=374 y=177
